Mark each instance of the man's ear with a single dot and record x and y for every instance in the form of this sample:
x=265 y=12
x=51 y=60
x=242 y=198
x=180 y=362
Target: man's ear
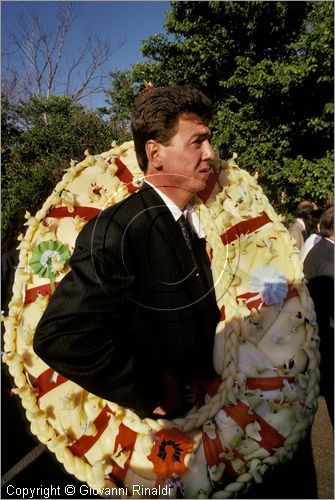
x=152 y=149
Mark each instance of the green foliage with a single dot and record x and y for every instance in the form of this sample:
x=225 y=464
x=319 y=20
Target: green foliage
x=268 y=67
x=121 y=96
x=39 y=138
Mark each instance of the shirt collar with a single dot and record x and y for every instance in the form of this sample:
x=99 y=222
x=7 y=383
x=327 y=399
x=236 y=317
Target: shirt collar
x=189 y=213
x=174 y=209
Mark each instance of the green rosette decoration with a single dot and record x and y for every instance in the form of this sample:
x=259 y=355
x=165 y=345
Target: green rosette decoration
x=48 y=259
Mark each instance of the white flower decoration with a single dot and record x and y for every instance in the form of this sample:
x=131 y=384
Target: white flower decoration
x=270 y=284
x=210 y=429
x=216 y=471
x=258 y=470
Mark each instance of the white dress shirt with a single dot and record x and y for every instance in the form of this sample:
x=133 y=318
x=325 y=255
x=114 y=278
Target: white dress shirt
x=312 y=240
x=189 y=213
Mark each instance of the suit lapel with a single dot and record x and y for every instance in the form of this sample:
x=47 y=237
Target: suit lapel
x=164 y=222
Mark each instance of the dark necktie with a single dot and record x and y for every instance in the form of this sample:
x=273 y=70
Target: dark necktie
x=192 y=241
x=203 y=274
x=187 y=231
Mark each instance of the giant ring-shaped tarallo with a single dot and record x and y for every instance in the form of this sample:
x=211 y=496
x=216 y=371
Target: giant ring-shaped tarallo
x=248 y=420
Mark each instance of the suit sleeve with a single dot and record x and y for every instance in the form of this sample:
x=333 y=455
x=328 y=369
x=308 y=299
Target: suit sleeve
x=83 y=333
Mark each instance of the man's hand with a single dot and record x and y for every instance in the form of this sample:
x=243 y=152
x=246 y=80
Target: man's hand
x=175 y=399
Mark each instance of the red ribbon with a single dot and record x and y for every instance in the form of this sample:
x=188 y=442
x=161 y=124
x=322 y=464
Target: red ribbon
x=31 y=293
x=86 y=213
x=292 y=293
x=44 y=382
x=244 y=227
x=247 y=295
x=251 y=304
x=85 y=443
x=213 y=449
x=267 y=383
x=270 y=437
x=125 y=440
x=125 y=176
x=262 y=383
x=210 y=184
x=223 y=314
x=257 y=303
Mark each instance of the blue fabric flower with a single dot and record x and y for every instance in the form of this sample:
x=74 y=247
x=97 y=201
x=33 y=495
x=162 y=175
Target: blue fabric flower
x=270 y=284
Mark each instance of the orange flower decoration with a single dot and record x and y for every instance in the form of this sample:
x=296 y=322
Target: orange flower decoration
x=148 y=87
x=169 y=451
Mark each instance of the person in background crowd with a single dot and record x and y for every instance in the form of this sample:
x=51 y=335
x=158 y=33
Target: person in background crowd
x=313 y=227
x=298 y=229
x=10 y=257
x=319 y=271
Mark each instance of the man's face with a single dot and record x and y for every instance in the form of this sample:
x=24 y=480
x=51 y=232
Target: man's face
x=185 y=158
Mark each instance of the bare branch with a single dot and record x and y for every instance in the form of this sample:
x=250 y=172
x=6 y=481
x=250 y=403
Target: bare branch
x=75 y=64
x=10 y=84
x=100 y=52
x=67 y=16
x=44 y=62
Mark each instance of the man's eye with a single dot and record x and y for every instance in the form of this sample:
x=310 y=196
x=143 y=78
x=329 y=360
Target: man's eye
x=199 y=140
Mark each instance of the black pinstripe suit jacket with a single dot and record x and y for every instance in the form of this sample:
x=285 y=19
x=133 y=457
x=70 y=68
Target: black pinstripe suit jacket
x=131 y=309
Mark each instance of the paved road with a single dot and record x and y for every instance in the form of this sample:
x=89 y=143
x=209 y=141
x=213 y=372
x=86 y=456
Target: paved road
x=323 y=451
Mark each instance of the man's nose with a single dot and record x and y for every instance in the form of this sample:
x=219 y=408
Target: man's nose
x=208 y=151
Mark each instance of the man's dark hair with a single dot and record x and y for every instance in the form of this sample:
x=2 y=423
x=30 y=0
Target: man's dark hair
x=312 y=221
x=156 y=113
x=327 y=222
x=304 y=208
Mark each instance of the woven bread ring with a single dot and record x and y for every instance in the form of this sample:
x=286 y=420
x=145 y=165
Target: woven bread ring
x=246 y=421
